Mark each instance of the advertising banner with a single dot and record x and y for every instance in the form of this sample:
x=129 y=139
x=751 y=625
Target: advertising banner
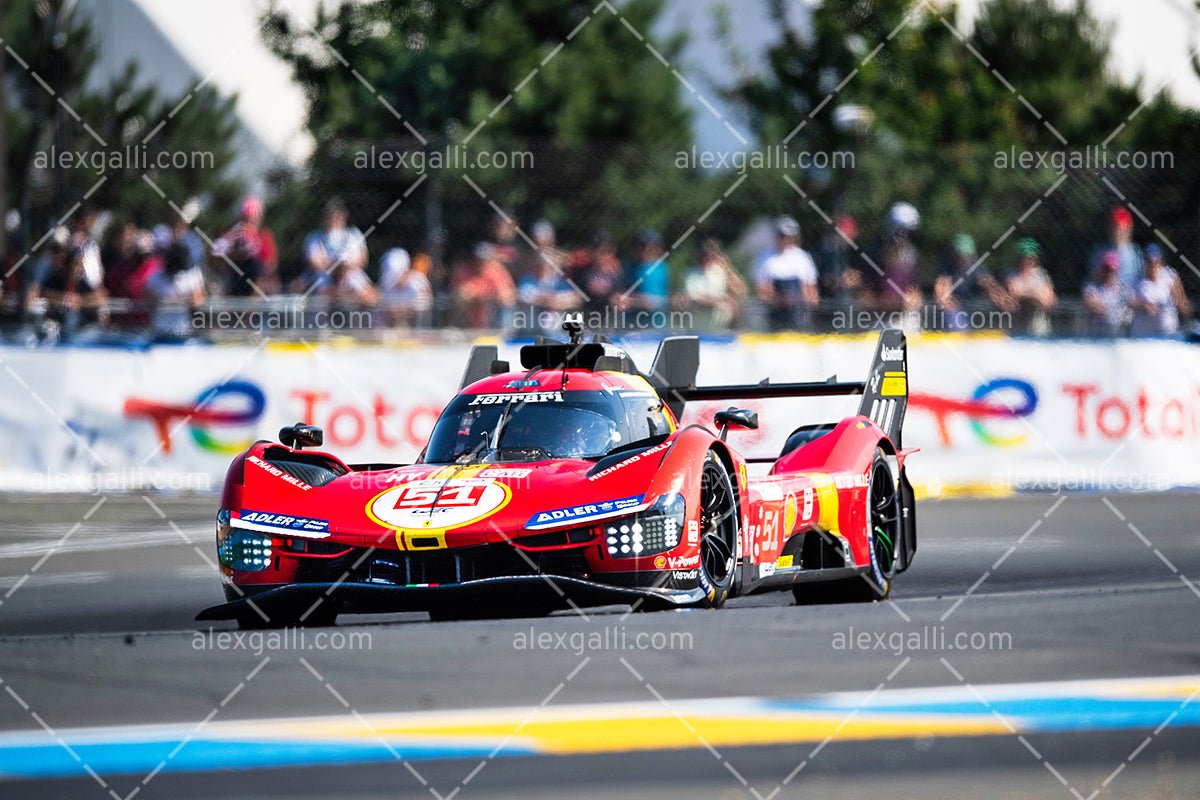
x=989 y=414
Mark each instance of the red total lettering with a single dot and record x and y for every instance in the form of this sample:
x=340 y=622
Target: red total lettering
x=1081 y=392
x=1102 y=414
x=1173 y=425
x=428 y=415
x=358 y=423
x=309 y=402
x=381 y=412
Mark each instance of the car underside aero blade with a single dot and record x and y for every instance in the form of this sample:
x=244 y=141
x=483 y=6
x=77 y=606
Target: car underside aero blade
x=518 y=593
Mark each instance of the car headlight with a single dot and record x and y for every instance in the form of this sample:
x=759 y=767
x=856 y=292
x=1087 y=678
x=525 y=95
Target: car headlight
x=655 y=530
x=244 y=551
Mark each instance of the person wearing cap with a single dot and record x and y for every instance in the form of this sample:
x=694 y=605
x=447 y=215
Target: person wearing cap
x=786 y=280
x=174 y=291
x=892 y=282
x=1031 y=291
x=546 y=295
x=1158 y=298
x=1107 y=299
x=965 y=281
x=1129 y=257
x=404 y=287
x=251 y=247
x=483 y=290
x=337 y=242
x=649 y=274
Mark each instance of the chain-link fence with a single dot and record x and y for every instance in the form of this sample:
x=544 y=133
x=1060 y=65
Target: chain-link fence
x=403 y=237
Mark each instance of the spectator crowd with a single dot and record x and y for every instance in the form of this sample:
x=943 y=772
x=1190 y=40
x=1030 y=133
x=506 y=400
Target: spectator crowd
x=82 y=284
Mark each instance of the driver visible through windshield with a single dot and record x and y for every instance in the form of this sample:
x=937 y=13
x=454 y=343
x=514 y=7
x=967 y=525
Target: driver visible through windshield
x=528 y=426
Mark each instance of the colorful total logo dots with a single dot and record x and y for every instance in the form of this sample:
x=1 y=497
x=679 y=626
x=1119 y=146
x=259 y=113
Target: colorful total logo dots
x=1002 y=411
x=210 y=412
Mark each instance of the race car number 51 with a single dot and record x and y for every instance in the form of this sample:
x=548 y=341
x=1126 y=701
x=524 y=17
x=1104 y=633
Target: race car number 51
x=437 y=505
x=426 y=496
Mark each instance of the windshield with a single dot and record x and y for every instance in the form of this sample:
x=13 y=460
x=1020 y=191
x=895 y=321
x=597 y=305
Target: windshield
x=528 y=426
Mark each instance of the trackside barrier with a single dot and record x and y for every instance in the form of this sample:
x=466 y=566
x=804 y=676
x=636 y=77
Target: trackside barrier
x=991 y=414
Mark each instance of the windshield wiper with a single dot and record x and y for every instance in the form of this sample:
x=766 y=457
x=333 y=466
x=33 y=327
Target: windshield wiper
x=469 y=458
x=503 y=421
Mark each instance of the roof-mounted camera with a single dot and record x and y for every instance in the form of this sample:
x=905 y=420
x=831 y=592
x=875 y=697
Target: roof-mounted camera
x=573 y=325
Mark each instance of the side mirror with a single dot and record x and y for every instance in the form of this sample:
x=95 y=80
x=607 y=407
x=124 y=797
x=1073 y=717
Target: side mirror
x=742 y=418
x=299 y=436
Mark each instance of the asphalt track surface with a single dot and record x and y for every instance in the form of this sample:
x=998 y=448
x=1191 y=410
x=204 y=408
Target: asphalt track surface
x=96 y=629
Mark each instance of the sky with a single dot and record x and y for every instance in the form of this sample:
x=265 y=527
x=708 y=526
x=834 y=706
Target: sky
x=220 y=42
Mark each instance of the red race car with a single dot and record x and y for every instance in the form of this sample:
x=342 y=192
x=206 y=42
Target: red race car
x=571 y=483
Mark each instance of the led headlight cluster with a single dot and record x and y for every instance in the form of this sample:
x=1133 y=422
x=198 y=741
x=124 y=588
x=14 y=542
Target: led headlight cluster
x=244 y=551
x=655 y=530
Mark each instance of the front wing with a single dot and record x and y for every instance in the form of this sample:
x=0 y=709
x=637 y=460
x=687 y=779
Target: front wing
x=515 y=594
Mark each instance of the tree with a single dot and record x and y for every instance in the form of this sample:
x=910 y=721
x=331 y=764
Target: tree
x=943 y=118
x=598 y=113
x=106 y=140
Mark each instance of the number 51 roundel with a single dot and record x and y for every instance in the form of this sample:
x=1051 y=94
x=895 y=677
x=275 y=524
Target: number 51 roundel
x=438 y=505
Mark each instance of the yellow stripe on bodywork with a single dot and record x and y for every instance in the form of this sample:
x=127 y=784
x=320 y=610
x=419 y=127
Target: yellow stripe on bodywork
x=827 y=502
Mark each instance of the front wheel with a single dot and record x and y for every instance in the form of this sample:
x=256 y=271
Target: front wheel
x=718 y=532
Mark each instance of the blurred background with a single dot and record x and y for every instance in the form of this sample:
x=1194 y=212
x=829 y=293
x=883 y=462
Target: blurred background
x=421 y=168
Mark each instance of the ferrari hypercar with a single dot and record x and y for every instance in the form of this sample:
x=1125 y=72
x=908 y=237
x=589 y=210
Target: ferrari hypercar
x=571 y=483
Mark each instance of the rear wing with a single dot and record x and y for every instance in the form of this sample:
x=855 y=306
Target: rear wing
x=884 y=392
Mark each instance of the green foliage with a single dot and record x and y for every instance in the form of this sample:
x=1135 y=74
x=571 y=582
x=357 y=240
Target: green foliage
x=200 y=133
x=943 y=117
x=592 y=105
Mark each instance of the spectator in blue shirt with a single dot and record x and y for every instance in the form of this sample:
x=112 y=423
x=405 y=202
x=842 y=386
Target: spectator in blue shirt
x=649 y=275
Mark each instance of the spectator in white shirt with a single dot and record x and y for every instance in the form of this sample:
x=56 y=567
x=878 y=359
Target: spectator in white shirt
x=1158 y=298
x=787 y=279
x=175 y=290
x=336 y=243
x=404 y=287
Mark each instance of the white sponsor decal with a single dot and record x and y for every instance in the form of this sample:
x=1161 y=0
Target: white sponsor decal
x=278 y=473
x=521 y=397
x=693 y=535
x=892 y=353
x=438 y=504
x=851 y=481
x=498 y=472
x=408 y=477
x=658 y=448
x=683 y=562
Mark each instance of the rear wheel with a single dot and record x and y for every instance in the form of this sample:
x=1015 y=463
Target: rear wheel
x=883 y=534
x=718 y=532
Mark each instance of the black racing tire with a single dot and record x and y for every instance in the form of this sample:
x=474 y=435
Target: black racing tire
x=885 y=529
x=718 y=533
